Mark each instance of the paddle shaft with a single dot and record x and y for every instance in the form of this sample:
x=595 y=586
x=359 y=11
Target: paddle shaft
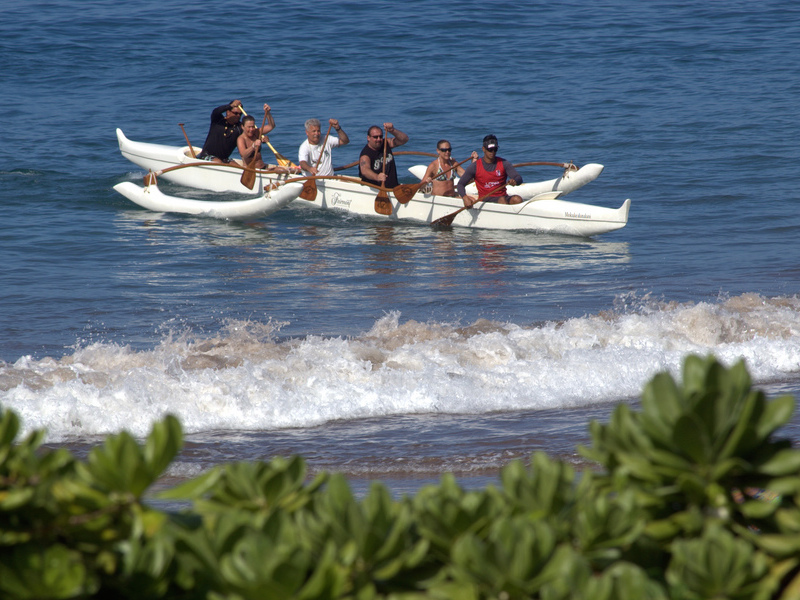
x=337 y=177
x=191 y=150
x=447 y=220
x=248 y=178
x=151 y=176
x=405 y=191
x=383 y=206
x=399 y=152
x=325 y=141
x=568 y=165
x=310 y=186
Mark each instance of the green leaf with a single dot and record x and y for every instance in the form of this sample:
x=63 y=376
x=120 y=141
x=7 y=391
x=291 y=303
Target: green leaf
x=51 y=572
x=778 y=413
x=784 y=462
x=162 y=445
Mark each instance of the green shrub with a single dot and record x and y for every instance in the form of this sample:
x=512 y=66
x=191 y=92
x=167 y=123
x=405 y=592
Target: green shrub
x=693 y=496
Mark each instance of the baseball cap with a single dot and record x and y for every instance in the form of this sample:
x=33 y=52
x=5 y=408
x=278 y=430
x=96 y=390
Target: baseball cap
x=490 y=142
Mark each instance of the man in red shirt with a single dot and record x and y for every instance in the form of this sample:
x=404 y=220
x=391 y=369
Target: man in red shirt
x=491 y=174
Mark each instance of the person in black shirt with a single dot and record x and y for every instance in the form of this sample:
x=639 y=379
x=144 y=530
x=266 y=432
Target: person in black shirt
x=370 y=162
x=223 y=133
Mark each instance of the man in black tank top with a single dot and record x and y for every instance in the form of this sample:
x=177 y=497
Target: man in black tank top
x=370 y=162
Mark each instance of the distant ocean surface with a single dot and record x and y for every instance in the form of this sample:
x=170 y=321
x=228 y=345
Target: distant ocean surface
x=394 y=351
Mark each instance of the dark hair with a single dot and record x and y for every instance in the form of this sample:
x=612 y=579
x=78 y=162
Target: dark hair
x=248 y=118
x=375 y=127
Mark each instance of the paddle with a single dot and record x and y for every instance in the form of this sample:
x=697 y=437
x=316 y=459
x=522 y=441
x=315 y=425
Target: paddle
x=248 y=179
x=405 y=191
x=282 y=160
x=354 y=163
x=191 y=150
x=310 y=186
x=568 y=166
x=447 y=220
x=383 y=206
x=337 y=177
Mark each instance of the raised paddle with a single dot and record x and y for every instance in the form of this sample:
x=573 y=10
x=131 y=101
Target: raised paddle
x=191 y=150
x=310 y=186
x=248 y=179
x=405 y=191
x=383 y=206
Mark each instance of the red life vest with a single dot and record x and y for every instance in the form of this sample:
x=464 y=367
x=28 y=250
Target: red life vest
x=491 y=181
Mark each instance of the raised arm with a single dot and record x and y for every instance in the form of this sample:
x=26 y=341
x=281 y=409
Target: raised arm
x=343 y=139
x=270 y=120
x=399 y=138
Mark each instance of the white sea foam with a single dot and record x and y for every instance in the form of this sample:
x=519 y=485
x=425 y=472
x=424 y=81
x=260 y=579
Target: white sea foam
x=246 y=377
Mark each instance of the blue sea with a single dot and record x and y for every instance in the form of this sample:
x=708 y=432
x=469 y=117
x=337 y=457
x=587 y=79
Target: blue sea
x=391 y=351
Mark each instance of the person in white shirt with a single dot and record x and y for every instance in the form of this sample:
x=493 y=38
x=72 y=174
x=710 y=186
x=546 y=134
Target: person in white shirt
x=311 y=149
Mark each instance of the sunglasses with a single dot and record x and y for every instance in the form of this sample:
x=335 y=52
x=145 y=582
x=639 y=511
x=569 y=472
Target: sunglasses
x=376 y=137
x=491 y=148
x=445 y=149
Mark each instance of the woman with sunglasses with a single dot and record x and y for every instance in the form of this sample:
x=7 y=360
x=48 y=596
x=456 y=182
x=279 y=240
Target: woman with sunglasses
x=443 y=184
x=491 y=175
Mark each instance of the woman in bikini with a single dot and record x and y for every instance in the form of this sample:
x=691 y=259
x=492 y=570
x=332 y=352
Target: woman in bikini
x=443 y=184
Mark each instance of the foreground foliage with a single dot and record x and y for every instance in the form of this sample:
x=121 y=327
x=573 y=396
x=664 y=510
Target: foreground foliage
x=694 y=497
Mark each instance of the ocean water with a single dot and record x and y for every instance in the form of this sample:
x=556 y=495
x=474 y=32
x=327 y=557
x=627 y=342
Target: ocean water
x=394 y=351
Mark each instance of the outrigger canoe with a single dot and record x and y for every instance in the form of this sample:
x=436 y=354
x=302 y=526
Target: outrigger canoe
x=152 y=198
x=227 y=178
x=543 y=210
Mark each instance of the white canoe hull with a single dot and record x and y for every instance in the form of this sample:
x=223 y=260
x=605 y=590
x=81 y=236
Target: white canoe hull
x=542 y=213
x=226 y=178
x=151 y=198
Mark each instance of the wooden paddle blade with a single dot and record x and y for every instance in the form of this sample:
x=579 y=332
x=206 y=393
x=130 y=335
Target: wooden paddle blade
x=309 y=190
x=447 y=220
x=383 y=206
x=405 y=191
x=248 y=179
